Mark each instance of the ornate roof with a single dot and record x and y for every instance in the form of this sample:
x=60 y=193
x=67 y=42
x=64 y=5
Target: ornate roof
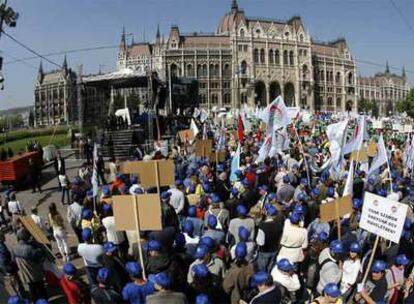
x=204 y=40
x=139 y=49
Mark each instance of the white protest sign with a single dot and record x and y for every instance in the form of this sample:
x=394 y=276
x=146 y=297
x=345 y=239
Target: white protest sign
x=383 y=217
x=408 y=128
x=396 y=126
x=292 y=112
x=377 y=124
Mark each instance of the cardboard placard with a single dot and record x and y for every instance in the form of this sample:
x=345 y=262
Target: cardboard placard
x=147 y=174
x=372 y=149
x=34 y=230
x=408 y=128
x=377 y=124
x=220 y=156
x=335 y=209
x=360 y=156
x=383 y=217
x=186 y=135
x=148 y=207
x=193 y=199
x=203 y=147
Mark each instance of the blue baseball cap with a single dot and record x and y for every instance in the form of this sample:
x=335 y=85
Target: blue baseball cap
x=192 y=211
x=332 y=290
x=133 y=179
x=355 y=247
x=234 y=192
x=245 y=182
x=103 y=274
x=69 y=269
x=200 y=270
x=271 y=196
x=241 y=210
x=107 y=207
x=323 y=236
x=336 y=246
x=301 y=197
x=402 y=260
x=41 y=301
x=260 y=278
x=138 y=191
x=294 y=218
x=285 y=265
x=106 y=191
x=109 y=247
x=17 y=300
x=315 y=191
x=263 y=188
x=243 y=233
x=87 y=214
x=188 y=227
x=201 y=251
x=211 y=221
x=378 y=266
x=154 y=245
x=270 y=210
x=330 y=192
x=356 y=203
x=165 y=195
x=215 y=199
x=207 y=241
x=304 y=181
x=179 y=240
x=89 y=193
x=241 y=250
x=299 y=209
x=161 y=279
x=202 y=298
x=134 y=269
x=178 y=182
x=86 y=234
x=286 y=179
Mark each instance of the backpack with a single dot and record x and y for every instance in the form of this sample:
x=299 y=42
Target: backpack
x=317 y=274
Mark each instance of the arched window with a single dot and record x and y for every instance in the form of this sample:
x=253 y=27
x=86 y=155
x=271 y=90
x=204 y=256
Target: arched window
x=338 y=78
x=174 y=70
x=304 y=71
x=292 y=62
x=226 y=98
x=242 y=33
x=199 y=70
x=204 y=73
x=301 y=38
x=190 y=70
x=322 y=75
x=243 y=67
x=203 y=98
x=243 y=98
x=350 y=79
x=271 y=56
x=226 y=70
x=256 y=56
x=330 y=103
x=285 y=58
x=277 y=57
x=338 y=102
x=262 y=56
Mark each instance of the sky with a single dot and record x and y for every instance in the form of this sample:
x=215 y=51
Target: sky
x=374 y=29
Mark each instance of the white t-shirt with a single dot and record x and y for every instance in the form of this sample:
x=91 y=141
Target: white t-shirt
x=116 y=237
x=350 y=272
x=90 y=254
x=15 y=207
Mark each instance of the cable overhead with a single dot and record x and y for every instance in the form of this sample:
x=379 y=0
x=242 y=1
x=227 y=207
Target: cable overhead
x=30 y=49
x=403 y=17
x=22 y=62
x=105 y=47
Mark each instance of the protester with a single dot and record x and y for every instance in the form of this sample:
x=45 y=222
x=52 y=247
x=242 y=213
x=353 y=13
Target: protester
x=74 y=288
x=59 y=231
x=103 y=293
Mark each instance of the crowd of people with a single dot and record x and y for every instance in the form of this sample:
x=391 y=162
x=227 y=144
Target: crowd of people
x=256 y=237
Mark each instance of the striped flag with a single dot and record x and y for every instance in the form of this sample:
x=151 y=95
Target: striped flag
x=381 y=158
x=95 y=185
x=235 y=164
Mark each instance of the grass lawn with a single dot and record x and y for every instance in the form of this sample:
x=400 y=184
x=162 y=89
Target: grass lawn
x=59 y=140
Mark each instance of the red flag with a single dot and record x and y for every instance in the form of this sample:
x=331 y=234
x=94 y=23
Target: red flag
x=240 y=129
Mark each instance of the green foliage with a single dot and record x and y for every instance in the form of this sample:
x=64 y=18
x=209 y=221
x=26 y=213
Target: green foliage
x=365 y=106
x=407 y=105
x=22 y=134
x=31 y=119
x=17 y=146
x=11 y=121
x=10 y=152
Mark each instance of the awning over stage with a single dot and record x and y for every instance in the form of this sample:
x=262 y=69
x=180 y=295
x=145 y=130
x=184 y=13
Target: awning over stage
x=124 y=78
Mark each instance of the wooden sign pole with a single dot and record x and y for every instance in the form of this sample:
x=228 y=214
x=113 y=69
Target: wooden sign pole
x=338 y=218
x=141 y=257
x=371 y=259
x=157 y=178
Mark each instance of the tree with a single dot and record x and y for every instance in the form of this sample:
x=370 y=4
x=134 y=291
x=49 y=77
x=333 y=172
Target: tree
x=407 y=104
x=365 y=106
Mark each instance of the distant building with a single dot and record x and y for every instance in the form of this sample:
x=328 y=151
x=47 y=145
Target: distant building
x=385 y=89
x=55 y=96
x=56 y=99
x=252 y=60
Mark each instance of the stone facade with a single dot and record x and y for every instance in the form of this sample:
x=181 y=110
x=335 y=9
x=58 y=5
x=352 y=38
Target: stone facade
x=385 y=89
x=252 y=60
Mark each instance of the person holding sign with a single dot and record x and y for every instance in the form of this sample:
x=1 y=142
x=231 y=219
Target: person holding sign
x=376 y=287
x=331 y=295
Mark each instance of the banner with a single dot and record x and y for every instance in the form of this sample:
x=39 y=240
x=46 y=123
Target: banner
x=383 y=217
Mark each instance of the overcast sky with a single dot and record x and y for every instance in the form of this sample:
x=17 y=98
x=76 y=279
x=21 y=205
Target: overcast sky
x=374 y=29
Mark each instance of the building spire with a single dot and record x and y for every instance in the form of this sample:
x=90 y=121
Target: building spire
x=122 y=45
x=65 y=63
x=234 y=5
x=41 y=68
x=404 y=75
x=158 y=35
x=387 y=68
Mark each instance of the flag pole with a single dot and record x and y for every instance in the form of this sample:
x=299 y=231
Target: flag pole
x=303 y=153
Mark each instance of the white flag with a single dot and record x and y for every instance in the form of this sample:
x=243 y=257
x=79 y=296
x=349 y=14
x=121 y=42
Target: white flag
x=95 y=171
x=235 y=164
x=357 y=139
x=264 y=149
x=194 y=128
x=275 y=115
x=336 y=133
x=348 y=190
x=381 y=157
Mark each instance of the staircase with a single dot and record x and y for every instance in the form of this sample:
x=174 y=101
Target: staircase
x=124 y=143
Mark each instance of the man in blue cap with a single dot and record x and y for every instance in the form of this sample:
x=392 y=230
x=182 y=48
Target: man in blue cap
x=90 y=253
x=285 y=191
x=329 y=265
x=376 y=287
x=177 y=199
x=216 y=234
x=268 y=238
x=241 y=220
x=204 y=256
x=110 y=260
x=74 y=215
x=103 y=292
x=396 y=279
x=112 y=235
x=164 y=294
x=330 y=294
x=237 y=277
x=169 y=215
x=137 y=290
x=268 y=293
x=198 y=224
x=217 y=209
x=284 y=274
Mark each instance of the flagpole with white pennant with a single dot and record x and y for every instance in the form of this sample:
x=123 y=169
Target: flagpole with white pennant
x=95 y=185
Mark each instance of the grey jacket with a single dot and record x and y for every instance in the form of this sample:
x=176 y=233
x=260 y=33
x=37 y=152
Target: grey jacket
x=167 y=296
x=29 y=259
x=330 y=272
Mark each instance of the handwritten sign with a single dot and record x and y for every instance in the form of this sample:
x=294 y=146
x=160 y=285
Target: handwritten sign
x=383 y=217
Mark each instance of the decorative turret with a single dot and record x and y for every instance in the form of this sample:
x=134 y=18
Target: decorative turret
x=65 y=66
x=234 y=6
x=40 y=73
x=158 y=35
x=387 y=68
x=404 y=75
x=122 y=45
